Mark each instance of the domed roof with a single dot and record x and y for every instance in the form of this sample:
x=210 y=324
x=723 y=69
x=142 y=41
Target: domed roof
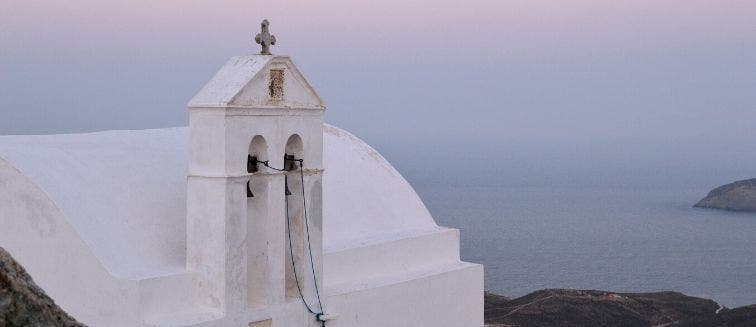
x=111 y=184
x=365 y=199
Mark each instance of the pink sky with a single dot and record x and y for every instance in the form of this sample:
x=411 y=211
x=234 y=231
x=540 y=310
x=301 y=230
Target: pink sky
x=593 y=67
x=473 y=24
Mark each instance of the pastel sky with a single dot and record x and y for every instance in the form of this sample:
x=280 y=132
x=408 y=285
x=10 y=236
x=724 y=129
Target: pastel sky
x=613 y=79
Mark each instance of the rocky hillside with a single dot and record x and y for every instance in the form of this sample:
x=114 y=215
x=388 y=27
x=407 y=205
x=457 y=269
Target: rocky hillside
x=561 y=307
x=23 y=303
x=737 y=196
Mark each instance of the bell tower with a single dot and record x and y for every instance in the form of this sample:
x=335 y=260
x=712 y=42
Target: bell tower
x=254 y=189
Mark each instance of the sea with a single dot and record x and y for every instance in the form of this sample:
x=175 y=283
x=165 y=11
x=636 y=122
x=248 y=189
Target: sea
x=626 y=235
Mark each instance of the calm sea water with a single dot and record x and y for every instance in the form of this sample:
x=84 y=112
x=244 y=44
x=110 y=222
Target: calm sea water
x=605 y=238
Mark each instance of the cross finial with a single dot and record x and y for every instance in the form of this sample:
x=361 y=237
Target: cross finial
x=264 y=38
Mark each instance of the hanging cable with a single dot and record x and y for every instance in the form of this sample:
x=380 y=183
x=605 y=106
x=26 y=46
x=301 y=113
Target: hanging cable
x=265 y=163
x=318 y=315
x=307 y=232
x=291 y=251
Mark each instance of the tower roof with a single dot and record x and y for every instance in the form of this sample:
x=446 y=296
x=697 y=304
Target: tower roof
x=244 y=82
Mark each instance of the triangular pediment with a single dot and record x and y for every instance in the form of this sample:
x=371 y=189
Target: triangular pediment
x=258 y=81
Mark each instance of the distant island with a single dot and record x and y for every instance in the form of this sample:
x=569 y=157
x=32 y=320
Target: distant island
x=737 y=196
x=573 y=308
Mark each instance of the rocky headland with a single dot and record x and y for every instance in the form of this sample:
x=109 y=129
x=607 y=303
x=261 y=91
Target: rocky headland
x=23 y=303
x=566 y=308
x=737 y=196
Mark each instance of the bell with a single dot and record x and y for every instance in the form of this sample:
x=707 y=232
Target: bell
x=251 y=164
x=249 y=191
x=290 y=162
x=286 y=185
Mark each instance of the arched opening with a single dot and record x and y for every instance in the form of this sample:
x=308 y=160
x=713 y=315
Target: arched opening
x=295 y=245
x=257 y=224
x=294 y=151
x=258 y=152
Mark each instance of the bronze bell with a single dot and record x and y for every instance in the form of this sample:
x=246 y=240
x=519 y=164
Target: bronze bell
x=251 y=164
x=290 y=162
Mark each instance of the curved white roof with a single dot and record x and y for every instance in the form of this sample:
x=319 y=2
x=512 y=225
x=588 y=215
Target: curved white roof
x=111 y=184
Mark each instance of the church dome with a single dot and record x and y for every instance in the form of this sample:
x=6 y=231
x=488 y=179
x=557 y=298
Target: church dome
x=366 y=199
x=111 y=184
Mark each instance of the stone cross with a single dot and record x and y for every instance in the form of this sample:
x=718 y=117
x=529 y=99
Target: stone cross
x=264 y=38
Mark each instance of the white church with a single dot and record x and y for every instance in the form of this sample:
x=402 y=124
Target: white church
x=258 y=214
